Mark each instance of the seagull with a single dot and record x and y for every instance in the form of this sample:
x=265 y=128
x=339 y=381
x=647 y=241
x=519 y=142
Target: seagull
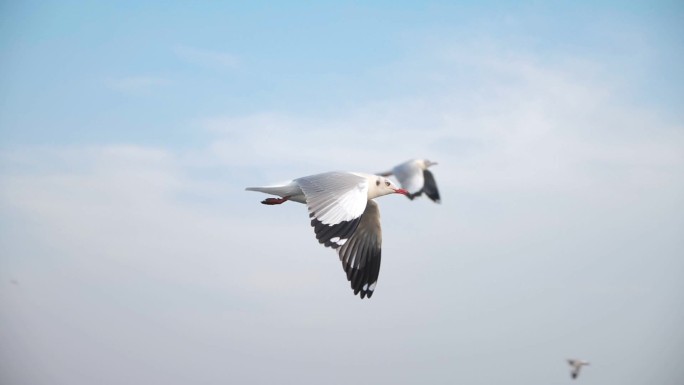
x=576 y=366
x=344 y=218
x=415 y=177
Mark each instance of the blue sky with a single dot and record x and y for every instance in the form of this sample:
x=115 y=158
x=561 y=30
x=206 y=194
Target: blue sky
x=134 y=71
x=130 y=252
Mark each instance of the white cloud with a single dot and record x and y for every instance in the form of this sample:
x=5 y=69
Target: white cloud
x=137 y=84
x=533 y=124
x=561 y=201
x=207 y=58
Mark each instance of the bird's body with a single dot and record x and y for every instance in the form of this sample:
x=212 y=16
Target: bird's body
x=344 y=217
x=576 y=366
x=414 y=176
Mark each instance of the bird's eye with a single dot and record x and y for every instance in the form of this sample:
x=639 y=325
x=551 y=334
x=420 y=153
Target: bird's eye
x=387 y=183
x=377 y=182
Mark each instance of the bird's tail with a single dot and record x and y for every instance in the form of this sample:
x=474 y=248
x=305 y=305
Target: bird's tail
x=283 y=189
x=273 y=190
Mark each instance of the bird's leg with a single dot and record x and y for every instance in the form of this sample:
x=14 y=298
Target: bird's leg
x=275 y=201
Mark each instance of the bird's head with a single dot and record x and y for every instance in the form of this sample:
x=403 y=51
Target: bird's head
x=383 y=186
x=428 y=163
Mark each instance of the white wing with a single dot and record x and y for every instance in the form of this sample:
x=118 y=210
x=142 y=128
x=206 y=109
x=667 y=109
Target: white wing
x=344 y=219
x=334 y=197
x=335 y=201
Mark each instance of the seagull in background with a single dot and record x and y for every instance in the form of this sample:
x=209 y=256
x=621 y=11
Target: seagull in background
x=344 y=217
x=576 y=366
x=414 y=176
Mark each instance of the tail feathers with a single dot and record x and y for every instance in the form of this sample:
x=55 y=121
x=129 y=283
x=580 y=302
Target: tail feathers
x=268 y=190
x=280 y=189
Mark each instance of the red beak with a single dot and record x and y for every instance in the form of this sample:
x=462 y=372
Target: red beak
x=401 y=191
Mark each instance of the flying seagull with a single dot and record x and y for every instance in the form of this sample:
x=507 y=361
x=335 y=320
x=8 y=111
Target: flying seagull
x=415 y=177
x=576 y=366
x=344 y=217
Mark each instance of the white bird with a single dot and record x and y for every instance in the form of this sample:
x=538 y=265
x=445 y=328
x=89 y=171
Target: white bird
x=415 y=177
x=343 y=217
x=576 y=366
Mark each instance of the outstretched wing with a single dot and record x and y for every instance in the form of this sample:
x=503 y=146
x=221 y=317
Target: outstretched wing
x=335 y=201
x=360 y=254
x=344 y=219
x=430 y=186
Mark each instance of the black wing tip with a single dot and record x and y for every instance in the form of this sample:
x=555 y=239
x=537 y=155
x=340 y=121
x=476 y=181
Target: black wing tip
x=359 y=284
x=434 y=195
x=430 y=186
x=363 y=293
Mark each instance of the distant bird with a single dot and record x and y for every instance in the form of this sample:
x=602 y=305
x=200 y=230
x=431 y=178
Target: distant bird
x=343 y=217
x=576 y=366
x=415 y=177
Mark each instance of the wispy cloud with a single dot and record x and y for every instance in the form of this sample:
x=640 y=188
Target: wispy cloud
x=136 y=84
x=526 y=120
x=553 y=187
x=207 y=58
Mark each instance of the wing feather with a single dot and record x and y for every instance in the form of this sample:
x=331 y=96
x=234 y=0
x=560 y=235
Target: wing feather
x=361 y=255
x=430 y=186
x=334 y=197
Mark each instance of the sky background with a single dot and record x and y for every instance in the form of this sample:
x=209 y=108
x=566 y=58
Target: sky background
x=131 y=254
